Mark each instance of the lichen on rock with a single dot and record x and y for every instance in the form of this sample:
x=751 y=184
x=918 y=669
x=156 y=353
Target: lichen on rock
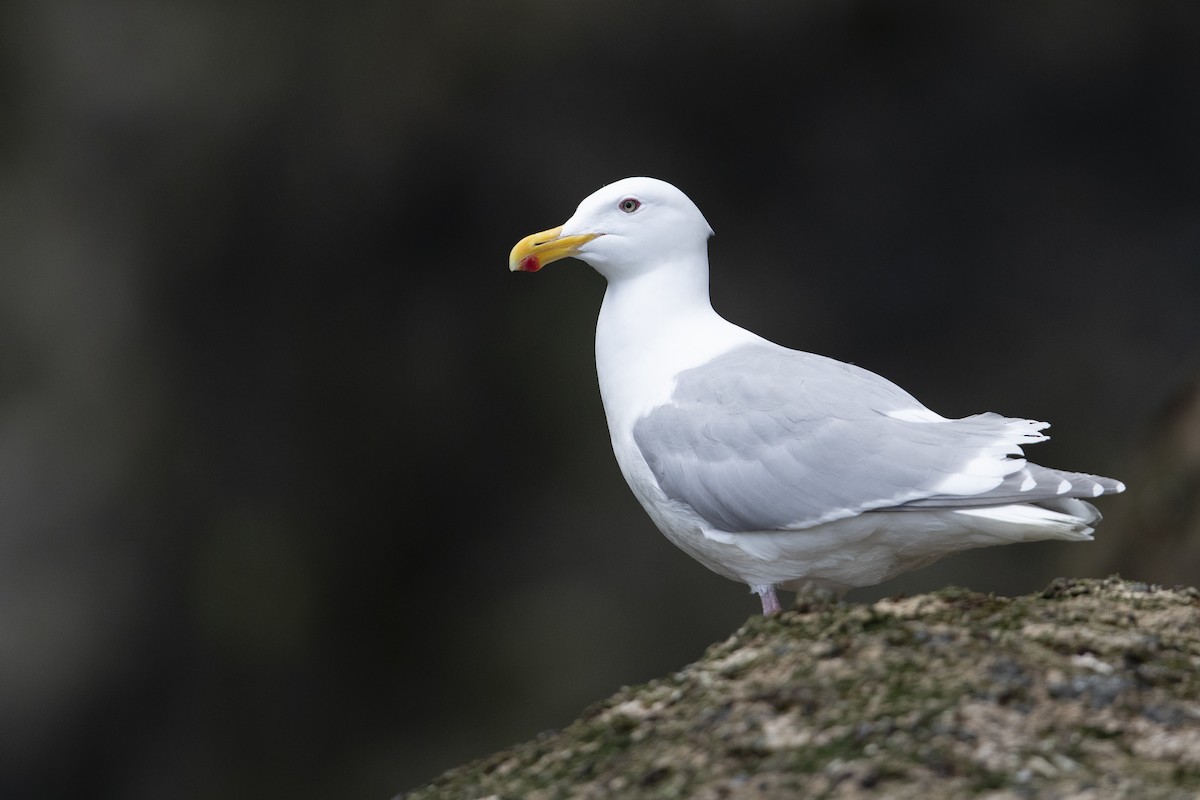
x=1089 y=689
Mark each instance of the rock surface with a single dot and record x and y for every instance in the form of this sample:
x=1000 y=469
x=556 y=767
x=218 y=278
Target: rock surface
x=1090 y=689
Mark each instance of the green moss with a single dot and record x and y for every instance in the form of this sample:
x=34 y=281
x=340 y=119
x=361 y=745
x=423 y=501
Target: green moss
x=1089 y=685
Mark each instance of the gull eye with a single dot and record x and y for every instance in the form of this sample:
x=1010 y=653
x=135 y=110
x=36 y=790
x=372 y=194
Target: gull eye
x=629 y=205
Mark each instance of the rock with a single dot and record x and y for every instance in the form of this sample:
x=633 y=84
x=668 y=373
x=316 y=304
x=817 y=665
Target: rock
x=1090 y=689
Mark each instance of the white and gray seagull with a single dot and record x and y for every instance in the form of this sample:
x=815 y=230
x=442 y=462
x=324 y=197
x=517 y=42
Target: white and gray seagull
x=774 y=467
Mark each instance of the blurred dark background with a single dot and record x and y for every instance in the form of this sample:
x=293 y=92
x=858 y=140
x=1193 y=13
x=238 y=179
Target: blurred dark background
x=303 y=494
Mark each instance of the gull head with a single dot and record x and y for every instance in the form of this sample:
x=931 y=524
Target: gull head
x=623 y=230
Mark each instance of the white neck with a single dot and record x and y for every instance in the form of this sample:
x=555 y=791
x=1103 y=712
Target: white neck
x=671 y=290
x=650 y=328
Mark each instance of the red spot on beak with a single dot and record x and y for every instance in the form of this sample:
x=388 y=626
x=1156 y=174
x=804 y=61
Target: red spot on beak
x=530 y=263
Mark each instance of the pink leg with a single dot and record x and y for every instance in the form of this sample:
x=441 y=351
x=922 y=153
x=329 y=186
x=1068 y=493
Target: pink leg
x=770 y=601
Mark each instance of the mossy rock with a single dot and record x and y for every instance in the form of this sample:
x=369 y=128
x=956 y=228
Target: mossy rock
x=1090 y=689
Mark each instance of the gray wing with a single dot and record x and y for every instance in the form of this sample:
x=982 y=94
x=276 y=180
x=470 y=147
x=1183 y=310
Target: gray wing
x=764 y=438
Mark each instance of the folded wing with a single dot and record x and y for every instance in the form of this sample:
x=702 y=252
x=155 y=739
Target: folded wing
x=765 y=438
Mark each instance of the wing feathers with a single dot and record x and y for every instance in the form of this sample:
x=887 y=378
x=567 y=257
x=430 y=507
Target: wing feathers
x=765 y=438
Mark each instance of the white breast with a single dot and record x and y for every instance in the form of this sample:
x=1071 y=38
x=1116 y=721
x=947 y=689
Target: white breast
x=637 y=359
x=644 y=339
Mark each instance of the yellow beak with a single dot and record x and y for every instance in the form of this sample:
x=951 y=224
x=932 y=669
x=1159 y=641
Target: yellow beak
x=539 y=249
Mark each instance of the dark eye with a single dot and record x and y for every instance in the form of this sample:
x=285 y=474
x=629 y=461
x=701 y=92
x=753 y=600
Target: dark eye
x=629 y=205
